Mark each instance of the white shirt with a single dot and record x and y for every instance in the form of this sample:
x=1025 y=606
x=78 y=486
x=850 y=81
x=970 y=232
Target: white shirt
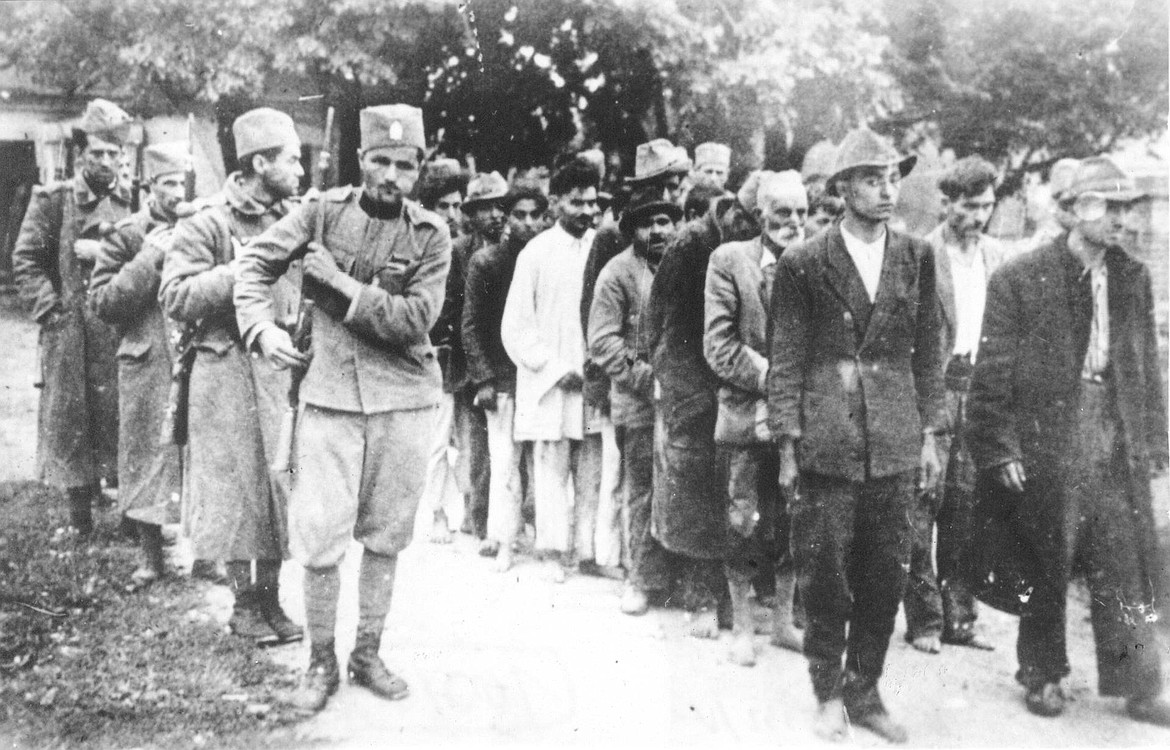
x=969 y=276
x=867 y=257
x=1097 y=355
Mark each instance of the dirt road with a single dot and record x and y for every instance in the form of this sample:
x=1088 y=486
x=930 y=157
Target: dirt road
x=517 y=660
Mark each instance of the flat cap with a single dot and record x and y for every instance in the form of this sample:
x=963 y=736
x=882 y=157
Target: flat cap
x=390 y=125
x=106 y=120
x=1101 y=175
x=261 y=129
x=165 y=158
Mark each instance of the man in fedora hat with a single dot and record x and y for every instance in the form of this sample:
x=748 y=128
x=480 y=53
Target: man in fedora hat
x=77 y=422
x=688 y=508
x=617 y=342
x=370 y=391
x=1066 y=417
x=737 y=296
x=461 y=424
x=124 y=292
x=940 y=608
x=237 y=508
x=490 y=370
x=856 y=383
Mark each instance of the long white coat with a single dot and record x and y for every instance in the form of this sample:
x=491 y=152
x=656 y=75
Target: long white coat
x=541 y=331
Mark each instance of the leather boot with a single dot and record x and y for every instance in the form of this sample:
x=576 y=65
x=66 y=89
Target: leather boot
x=268 y=591
x=864 y=707
x=80 y=509
x=150 y=544
x=248 y=619
x=319 y=681
x=366 y=668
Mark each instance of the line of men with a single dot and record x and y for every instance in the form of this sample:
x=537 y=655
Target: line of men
x=741 y=402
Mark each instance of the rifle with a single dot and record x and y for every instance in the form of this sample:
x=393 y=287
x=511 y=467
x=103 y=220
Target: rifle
x=302 y=333
x=181 y=337
x=136 y=180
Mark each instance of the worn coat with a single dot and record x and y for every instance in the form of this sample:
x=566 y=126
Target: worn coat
x=124 y=293
x=856 y=382
x=735 y=339
x=374 y=354
x=489 y=276
x=541 y=331
x=77 y=421
x=1023 y=403
x=617 y=340
x=689 y=514
x=235 y=509
x=608 y=242
x=448 y=331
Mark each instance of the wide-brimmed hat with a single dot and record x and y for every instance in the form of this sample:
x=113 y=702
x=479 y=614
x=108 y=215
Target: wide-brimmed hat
x=647 y=201
x=485 y=188
x=1101 y=175
x=658 y=158
x=864 y=148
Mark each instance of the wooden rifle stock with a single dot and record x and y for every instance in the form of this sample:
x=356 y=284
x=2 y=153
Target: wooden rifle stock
x=189 y=176
x=302 y=333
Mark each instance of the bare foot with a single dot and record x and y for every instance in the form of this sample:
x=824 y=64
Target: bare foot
x=503 y=559
x=704 y=624
x=830 y=723
x=440 y=532
x=489 y=548
x=927 y=644
x=743 y=650
x=786 y=636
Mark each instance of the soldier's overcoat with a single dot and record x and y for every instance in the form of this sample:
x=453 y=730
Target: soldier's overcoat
x=124 y=293
x=235 y=507
x=77 y=421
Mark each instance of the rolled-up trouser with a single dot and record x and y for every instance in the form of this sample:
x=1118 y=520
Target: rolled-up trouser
x=568 y=475
x=506 y=494
x=610 y=538
x=359 y=476
x=444 y=486
x=753 y=487
x=851 y=545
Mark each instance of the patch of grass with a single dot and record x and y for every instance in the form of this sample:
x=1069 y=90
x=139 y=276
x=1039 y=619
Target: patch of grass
x=87 y=662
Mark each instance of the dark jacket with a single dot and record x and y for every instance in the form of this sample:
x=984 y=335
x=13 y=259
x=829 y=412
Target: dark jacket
x=447 y=334
x=124 y=292
x=856 y=382
x=77 y=425
x=1026 y=387
x=489 y=276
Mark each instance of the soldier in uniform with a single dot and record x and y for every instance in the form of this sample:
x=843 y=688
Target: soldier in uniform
x=236 y=508
x=77 y=424
x=371 y=388
x=124 y=293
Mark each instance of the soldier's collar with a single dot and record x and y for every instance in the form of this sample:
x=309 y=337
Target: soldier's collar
x=86 y=196
x=242 y=201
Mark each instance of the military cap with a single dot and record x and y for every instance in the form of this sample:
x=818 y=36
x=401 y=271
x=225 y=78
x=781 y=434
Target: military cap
x=261 y=129
x=658 y=158
x=1101 y=176
x=864 y=148
x=485 y=188
x=392 y=125
x=712 y=153
x=106 y=120
x=165 y=158
x=647 y=202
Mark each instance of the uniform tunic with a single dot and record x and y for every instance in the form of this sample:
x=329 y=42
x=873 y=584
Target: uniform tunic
x=370 y=391
x=124 y=293
x=236 y=510
x=77 y=421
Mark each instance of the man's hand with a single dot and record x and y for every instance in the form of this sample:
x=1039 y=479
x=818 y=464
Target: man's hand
x=1011 y=476
x=320 y=265
x=277 y=348
x=87 y=250
x=642 y=378
x=485 y=397
x=571 y=382
x=789 y=471
x=929 y=466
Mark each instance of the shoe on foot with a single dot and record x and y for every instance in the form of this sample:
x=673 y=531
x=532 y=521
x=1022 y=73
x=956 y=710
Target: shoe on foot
x=286 y=630
x=248 y=621
x=1045 y=700
x=830 y=723
x=880 y=723
x=319 y=681
x=489 y=548
x=209 y=570
x=634 y=600
x=968 y=638
x=927 y=644
x=1151 y=709
x=366 y=668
